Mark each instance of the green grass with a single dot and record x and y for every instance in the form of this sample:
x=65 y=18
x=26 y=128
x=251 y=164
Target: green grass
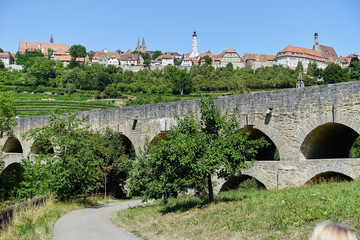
x=274 y=214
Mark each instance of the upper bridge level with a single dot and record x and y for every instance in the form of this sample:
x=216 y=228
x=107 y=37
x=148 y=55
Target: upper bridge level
x=311 y=129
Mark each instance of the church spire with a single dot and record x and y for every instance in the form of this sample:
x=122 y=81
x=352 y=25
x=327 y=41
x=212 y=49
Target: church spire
x=51 y=39
x=138 y=45
x=143 y=43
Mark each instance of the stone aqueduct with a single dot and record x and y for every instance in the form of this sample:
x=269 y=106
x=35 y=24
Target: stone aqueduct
x=312 y=128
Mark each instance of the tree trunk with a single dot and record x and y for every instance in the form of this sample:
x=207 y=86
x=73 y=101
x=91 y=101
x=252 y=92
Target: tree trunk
x=210 y=189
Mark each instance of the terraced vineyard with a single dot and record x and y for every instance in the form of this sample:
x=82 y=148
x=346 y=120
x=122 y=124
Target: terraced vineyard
x=35 y=105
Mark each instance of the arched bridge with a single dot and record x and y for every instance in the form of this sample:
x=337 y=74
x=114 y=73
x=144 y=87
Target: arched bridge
x=311 y=130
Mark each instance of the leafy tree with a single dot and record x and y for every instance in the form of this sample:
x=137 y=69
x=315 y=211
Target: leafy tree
x=50 y=52
x=333 y=73
x=230 y=66
x=2 y=65
x=76 y=51
x=193 y=154
x=354 y=70
x=156 y=54
x=177 y=61
x=21 y=59
x=299 y=67
x=208 y=60
x=7 y=113
x=81 y=159
x=12 y=59
x=147 y=62
x=41 y=68
x=180 y=79
x=1 y=50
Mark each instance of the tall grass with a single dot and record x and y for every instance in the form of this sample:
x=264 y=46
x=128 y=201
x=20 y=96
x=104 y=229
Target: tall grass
x=251 y=214
x=37 y=222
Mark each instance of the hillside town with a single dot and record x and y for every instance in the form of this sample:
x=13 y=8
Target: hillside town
x=133 y=60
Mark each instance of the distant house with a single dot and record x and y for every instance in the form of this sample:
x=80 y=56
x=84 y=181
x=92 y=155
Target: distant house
x=252 y=59
x=106 y=58
x=131 y=59
x=174 y=54
x=58 y=54
x=229 y=56
x=66 y=59
x=345 y=61
x=164 y=60
x=5 y=57
x=187 y=61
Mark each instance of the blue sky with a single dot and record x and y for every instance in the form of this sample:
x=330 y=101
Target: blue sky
x=256 y=26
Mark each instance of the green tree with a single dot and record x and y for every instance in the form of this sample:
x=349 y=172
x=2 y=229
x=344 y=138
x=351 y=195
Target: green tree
x=156 y=54
x=50 y=52
x=180 y=79
x=333 y=73
x=193 y=154
x=2 y=65
x=21 y=59
x=230 y=66
x=208 y=60
x=354 y=70
x=7 y=113
x=76 y=51
x=1 y=50
x=79 y=163
x=41 y=68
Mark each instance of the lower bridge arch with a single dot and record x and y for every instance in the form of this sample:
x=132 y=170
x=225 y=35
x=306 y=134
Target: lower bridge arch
x=12 y=145
x=10 y=179
x=236 y=182
x=329 y=176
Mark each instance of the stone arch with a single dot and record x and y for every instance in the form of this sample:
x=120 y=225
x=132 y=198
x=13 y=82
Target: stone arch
x=265 y=153
x=328 y=176
x=41 y=147
x=127 y=143
x=160 y=136
x=235 y=182
x=329 y=140
x=10 y=179
x=12 y=145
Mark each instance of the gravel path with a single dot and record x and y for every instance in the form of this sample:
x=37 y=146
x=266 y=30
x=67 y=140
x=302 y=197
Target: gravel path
x=93 y=224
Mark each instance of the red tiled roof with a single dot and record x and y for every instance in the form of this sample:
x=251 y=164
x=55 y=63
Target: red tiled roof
x=133 y=57
x=230 y=50
x=258 y=57
x=96 y=55
x=292 y=51
x=60 y=52
x=31 y=46
x=5 y=55
x=329 y=53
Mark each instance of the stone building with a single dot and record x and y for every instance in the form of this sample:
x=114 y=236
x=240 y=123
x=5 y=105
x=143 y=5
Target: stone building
x=328 y=52
x=291 y=56
x=230 y=56
x=142 y=47
x=253 y=60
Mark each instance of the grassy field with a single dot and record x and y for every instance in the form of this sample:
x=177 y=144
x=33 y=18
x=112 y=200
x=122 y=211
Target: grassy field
x=273 y=214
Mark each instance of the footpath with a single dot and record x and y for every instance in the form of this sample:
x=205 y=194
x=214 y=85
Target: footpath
x=93 y=224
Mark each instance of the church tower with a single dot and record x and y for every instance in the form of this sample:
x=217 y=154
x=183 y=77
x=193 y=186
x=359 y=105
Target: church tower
x=194 y=52
x=51 y=39
x=316 y=42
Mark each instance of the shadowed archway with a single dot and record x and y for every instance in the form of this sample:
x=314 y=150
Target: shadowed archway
x=266 y=153
x=128 y=145
x=42 y=147
x=159 y=137
x=10 y=179
x=12 y=145
x=328 y=177
x=330 y=140
x=235 y=183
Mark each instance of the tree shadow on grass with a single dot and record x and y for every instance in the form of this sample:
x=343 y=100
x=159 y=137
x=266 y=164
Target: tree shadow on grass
x=184 y=205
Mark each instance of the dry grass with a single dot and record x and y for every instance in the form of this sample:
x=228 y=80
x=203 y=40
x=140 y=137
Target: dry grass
x=37 y=222
x=279 y=214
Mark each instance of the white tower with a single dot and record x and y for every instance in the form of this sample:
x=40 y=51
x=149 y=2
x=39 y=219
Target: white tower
x=194 y=52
